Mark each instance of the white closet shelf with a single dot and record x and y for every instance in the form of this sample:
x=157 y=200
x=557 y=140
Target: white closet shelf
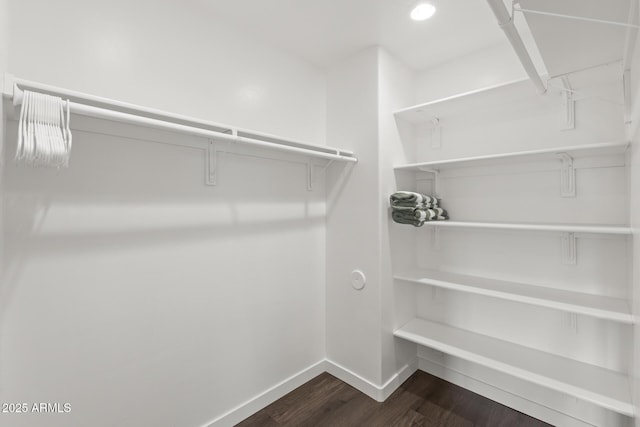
x=109 y=109
x=608 y=148
x=602 y=387
x=496 y=96
x=564 y=228
x=603 y=307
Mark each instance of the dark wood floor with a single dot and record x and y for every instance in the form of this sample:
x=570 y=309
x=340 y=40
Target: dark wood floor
x=423 y=400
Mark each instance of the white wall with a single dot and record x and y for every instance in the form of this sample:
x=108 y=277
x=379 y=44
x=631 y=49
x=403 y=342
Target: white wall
x=396 y=90
x=176 y=57
x=363 y=93
x=131 y=290
x=480 y=69
x=353 y=218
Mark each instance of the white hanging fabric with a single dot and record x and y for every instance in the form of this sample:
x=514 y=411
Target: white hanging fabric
x=44 y=134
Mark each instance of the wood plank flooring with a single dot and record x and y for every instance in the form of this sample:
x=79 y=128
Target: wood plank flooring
x=423 y=400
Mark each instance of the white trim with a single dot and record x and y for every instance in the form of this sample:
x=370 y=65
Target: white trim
x=398 y=378
x=378 y=393
x=250 y=407
x=253 y=405
x=514 y=401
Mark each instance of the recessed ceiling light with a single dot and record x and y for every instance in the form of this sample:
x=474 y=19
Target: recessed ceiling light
x=422 y=11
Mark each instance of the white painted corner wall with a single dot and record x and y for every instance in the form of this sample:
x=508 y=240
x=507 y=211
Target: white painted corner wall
x=364 y=91
x=396 y=90
x=353 y=316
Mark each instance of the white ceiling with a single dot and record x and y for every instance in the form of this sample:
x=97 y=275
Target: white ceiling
x=326 y=31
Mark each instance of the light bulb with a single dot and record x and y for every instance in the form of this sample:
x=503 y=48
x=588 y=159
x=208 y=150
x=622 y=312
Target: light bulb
x=422 y=11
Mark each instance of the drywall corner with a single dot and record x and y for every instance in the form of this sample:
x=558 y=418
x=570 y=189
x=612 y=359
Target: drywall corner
x=353 y=241
x=396 y=85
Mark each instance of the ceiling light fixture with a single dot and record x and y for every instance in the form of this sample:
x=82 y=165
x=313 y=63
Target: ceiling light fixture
x=422 y=12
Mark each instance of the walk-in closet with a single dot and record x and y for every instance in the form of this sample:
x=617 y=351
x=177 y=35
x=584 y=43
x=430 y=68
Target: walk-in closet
x=283 y=213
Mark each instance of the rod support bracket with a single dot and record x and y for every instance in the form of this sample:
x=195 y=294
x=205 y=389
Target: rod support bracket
x=567 y=176
x=212 y=164
x=436 y=180
x=436 y=133
x=569 y=249
x=573 y=322
x=435 y=238
x=310 y=175
x=568 y=106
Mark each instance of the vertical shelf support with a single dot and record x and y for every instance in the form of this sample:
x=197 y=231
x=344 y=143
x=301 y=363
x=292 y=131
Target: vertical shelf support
x=436 y=180
x=436 y=133
x=435 y=238
x=568 y=106
x=626 y=84
x=569 y=249
x=212 y=164
x=310 y=175
x=573 y=322
x=567 y=176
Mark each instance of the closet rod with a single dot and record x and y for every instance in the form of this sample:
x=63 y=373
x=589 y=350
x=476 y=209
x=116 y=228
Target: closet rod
x=505 y=21
x=222 y=132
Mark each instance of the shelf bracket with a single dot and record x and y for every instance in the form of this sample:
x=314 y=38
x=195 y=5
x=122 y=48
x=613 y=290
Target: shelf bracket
x=436 y=180
x=573 y=322
x=568 y=106
x=212 y=164
x=310 y=176
x=626 y=84
x=567 y=176
x=435 y=238
x=569 y=249
x=436 y=133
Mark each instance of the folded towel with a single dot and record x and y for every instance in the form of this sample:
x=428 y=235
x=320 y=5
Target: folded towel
x=411 y=199
x=417 y=217
x=402 y=217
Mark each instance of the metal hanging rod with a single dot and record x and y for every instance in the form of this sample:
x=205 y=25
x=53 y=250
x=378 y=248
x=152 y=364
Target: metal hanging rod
x=574 y=17
x=138 y=115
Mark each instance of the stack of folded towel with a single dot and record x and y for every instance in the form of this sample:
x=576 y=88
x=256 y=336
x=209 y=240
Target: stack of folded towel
x=415 y=208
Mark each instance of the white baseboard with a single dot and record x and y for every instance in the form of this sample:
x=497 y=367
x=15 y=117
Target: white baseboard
x=472 y=377
x=379 y=393
x=250 y=407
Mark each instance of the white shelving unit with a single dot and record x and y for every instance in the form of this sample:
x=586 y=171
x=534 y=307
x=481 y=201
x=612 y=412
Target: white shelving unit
x=563 y=228
x=600 y=386
x=531 y=155
x=608 y=308
x=473 y=102
x=514 y=111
